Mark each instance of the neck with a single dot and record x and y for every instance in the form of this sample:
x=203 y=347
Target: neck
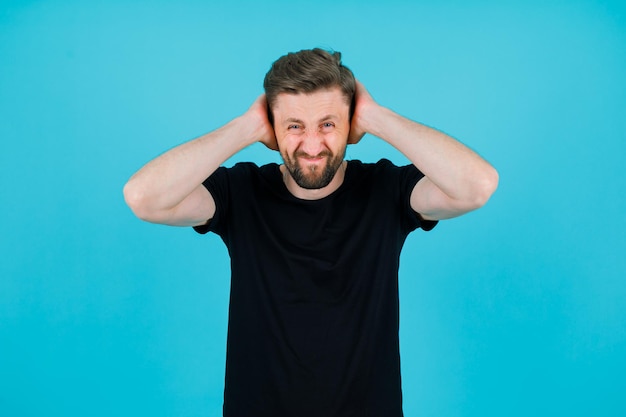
x=318 y=193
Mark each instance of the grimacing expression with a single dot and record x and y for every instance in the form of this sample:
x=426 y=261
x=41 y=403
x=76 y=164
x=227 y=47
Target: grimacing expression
x=312 y=134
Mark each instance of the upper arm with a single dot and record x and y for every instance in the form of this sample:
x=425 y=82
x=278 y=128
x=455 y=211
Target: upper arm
x=433 y=204
x=194 y=210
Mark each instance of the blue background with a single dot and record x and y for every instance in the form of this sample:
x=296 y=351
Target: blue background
x=517 y=309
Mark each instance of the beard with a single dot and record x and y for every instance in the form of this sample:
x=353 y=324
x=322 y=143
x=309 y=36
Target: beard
x=313 y=177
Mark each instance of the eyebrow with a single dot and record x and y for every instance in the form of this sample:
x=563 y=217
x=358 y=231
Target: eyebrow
x=323 y=119
x=293 y=120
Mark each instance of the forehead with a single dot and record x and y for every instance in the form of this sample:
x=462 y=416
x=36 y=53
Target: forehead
x=331 y=101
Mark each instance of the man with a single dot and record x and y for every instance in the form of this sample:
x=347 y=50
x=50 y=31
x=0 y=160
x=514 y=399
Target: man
x=315 y=242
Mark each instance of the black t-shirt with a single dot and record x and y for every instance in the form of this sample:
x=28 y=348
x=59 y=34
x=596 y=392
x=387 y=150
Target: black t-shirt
x=313 y=318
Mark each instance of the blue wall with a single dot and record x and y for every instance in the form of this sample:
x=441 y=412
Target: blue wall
x=517 y=309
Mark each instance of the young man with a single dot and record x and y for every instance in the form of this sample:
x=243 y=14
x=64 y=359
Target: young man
x=315 y=242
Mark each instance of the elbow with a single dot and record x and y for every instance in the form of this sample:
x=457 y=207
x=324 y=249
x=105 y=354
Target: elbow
x=485 y=187
x=137 y=201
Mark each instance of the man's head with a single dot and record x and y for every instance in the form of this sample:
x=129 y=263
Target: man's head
x=310 y=98
x=307 y=71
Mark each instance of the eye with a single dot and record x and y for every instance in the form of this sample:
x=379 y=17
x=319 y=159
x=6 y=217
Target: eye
x=293 y=127
x=327 y=125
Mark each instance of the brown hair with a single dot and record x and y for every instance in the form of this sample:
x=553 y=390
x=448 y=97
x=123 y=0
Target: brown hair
x=308 y=71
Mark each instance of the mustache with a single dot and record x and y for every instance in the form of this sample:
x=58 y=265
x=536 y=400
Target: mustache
x=303 y=154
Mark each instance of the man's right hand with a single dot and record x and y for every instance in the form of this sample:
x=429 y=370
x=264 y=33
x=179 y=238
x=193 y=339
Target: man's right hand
x=258 y=118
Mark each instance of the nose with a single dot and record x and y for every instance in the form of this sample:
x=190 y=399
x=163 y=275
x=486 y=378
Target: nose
x=312 y=143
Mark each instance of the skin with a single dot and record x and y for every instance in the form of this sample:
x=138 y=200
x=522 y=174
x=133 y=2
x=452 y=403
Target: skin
x=457 y=180
x=311 y=132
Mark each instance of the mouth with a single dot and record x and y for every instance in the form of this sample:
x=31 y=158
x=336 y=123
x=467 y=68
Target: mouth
x=312 y=159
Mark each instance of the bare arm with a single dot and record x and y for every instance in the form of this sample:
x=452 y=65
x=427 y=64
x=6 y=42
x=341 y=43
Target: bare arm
x=457 y=180
x=169 y=190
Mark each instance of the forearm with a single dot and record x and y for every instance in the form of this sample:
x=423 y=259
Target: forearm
x=455 y=169
x=167 y=180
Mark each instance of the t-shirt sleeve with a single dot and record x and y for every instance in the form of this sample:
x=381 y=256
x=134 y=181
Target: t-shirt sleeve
x=409 y=176
x=218 y=185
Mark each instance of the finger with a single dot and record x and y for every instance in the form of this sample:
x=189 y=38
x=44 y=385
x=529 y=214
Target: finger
x=355 y=136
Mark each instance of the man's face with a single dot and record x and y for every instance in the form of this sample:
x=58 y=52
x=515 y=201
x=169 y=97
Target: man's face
x=312 y=134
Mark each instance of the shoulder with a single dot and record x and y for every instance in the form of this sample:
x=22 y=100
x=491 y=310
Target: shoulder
x=357 y=165
x=251 y=166
x=240 y=175
x=381 y=177
x=250 y=169
x=386 y=176
x=380 y=167
x=248 y=177
x=381 y=163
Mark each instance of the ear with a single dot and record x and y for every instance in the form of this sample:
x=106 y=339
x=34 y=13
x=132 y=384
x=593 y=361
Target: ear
x=270 y=115
x=352 y=106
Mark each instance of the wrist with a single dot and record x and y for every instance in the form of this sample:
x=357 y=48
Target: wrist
x=246 y=130
x=374 y=119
